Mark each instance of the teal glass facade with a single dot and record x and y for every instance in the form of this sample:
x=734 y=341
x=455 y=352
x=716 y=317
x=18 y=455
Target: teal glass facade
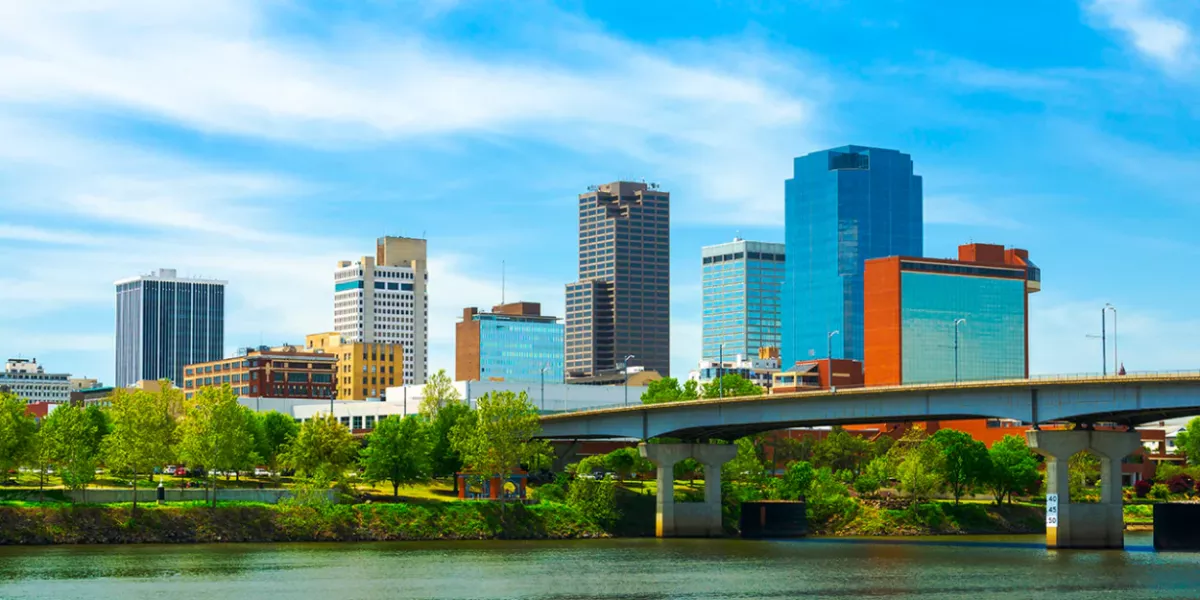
x=741 y=285
x=991 y=343
x=842 y=207
x=517 y=349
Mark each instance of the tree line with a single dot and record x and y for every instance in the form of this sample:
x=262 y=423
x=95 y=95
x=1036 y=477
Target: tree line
x=140 y=430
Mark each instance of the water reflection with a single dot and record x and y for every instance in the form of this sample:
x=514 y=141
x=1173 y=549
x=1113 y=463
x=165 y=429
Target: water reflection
x=978 y=568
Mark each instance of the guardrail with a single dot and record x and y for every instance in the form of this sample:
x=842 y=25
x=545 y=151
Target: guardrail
x=1040 y=378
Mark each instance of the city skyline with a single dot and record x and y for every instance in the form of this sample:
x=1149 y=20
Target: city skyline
x=227 y=173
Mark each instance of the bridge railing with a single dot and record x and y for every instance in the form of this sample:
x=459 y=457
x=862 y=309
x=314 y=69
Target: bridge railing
x=1044 y=378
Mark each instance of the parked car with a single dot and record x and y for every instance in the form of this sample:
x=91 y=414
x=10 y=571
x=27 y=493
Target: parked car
x=261 y=472
x=180 y=471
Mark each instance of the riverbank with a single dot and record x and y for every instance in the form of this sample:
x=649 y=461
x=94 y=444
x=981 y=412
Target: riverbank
x=875 y=518
x=285 y=523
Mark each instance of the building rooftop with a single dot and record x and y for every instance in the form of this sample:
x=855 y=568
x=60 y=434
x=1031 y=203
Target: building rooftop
x=169 y=275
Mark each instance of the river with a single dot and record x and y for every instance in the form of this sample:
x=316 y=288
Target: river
x=976 y=567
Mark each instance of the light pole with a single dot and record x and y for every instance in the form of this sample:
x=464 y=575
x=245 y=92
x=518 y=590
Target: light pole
x=721 y=371
x=957 y=322
x=1103 y=343
x=625 y=367
x=544 y=367
x=829 y=357
x=1116 y=359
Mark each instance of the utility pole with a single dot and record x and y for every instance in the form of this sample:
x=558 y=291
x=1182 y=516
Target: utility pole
x=829 y=357
x=1116 y=359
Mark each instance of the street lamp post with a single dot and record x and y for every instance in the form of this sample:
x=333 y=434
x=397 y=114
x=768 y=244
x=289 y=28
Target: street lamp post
x=1103 y=343
x=625 y=367
x=957 y=322
x=1116 y=359
x=829 y=357
x=721 y=371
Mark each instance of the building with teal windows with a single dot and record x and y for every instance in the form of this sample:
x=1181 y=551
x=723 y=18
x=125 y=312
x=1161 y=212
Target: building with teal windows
x=842 y=207
x=741 y=286
x=940 y=321
x=513 y=343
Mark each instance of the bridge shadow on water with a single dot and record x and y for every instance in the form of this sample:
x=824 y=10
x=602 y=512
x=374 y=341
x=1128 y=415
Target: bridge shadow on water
x=1041 y=545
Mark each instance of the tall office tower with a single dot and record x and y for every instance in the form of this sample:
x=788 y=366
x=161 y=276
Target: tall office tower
x=165 y=322
x=741 y=284
x=842 y=207
x=621 y=304
x=383 y=299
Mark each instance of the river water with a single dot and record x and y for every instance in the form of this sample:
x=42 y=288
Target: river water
x=976 y=567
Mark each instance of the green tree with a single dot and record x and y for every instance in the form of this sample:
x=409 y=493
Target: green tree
x=142 y=433
x=622 y=461
x=1083 y=474
x=920 y=470
x=590 y=464
x=216 y=433
x=730 y=385
x=596 y=500
x=668 y=389
x=1187 y=441
x=446 y=460
x=323 y=449
x=497 y=436
x=17 y=431
x=1014 y=468
x=785 y=449
x=965 y=461
x=439 y=392
x=797 y=480
x=276 y=431
x=102 y=425
x=66 y=435
x=828 y=501
x=842 y=450
x=749 y=465
x=399 y=451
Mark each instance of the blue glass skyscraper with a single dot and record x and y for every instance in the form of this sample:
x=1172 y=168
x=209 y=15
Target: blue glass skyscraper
x=741 y=283
x=842 y=207
x=165 y=322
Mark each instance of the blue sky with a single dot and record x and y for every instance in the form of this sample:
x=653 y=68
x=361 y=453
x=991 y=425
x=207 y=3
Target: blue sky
x=260 y=142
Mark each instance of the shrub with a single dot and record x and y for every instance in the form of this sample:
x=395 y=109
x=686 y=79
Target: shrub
x=550 y=492
x=596 y=500
x=795 y=483
x=1160 y=492
x=828 y=500
x=1181 y=483
x=1142 y=487
x=866 y=484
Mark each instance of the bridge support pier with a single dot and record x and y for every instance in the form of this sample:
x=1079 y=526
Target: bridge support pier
x=688 y=519
x=1084 y=525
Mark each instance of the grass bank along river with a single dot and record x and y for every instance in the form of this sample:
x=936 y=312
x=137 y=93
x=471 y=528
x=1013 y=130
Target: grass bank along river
x=275 y=523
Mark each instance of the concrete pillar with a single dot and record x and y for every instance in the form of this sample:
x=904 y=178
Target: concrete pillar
x=688 y=519
x=1099 y=525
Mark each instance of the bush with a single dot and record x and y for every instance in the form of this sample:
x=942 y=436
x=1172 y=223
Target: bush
x=795 y=483
x=596 y=500
x=1160 y=492
x=1181 y=483
x=866 y=484
x=550 y=492
x=829 y=501
x=1142 y=487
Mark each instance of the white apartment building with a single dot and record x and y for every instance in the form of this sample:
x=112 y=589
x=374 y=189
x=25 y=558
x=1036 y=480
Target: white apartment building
x=30 y=382
x=383 y=299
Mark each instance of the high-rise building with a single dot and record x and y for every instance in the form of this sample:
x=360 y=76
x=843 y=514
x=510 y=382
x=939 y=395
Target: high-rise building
x=741 y=286
x=383 y=300
x=364 y=369
x=514 y=343
x=165 y=322
x=932 y=321
x=31 y=383
x=842 y=207
x=620 y=306
x=264 y=372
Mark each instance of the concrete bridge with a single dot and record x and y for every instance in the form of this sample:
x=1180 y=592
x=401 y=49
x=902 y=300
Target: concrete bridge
x=1128 y=399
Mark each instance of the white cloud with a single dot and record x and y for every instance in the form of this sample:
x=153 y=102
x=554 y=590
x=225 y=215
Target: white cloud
x=956 y=210
x=1160 y=38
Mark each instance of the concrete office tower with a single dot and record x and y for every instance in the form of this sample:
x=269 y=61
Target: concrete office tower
x=165 y=322
x=621 y=304
x=383 y=299
x=741 y=286
x=842 y=207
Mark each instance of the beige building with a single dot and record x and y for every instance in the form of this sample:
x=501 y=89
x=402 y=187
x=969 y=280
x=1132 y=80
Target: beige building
x=383 y=300
x=364 y=370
